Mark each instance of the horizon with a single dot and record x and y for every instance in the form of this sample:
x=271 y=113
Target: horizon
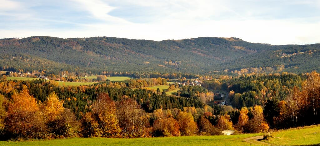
x=153 y=40
x=268 y=22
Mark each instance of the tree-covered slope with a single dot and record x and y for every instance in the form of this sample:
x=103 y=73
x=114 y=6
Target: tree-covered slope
x=197 y=55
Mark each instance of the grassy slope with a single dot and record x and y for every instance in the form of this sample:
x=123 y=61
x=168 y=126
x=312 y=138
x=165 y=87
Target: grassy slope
x=297 y=136
x=170 y=92
x=161 y=141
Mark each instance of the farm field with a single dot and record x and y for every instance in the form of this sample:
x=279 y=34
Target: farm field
x=160 y=141
x=161 y=87
x=60 y=83
x=90 y=77
x=172 y=91
x=21 y=78
x=116 y=78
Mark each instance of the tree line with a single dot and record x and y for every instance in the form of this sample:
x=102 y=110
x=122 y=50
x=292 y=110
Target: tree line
x=42 y=109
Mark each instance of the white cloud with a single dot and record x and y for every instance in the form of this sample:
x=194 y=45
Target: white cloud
x=178 y=19
x=99 y=10
x=7 y=5
x=14 y=10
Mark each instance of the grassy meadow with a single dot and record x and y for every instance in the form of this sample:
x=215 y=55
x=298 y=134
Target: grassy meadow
x=21 y=78
x=161 y=87
x=60 y=83
x=116 y=78
x=308 y=135
x=172 y=91
x=160 y=141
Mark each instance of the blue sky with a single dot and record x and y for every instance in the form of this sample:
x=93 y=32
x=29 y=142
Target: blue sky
x=263 y=21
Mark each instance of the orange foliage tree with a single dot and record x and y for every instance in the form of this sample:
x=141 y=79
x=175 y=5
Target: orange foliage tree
x=257 y=123
x=24 y=118
x=205 y=126
x=165 y=124
x=302 y=107
x=132 y=119
x=224 y=123
x=3 y=112
x=243 y=118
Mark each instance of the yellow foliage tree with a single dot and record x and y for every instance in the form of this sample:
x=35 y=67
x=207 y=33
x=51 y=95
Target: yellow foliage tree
x=187 y=124
x=53 y=107
x=224 y=123
x=243 y=118
x=257 y=123
x=104 y=112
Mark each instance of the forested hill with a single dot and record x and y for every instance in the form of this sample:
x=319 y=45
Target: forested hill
x=197 y=55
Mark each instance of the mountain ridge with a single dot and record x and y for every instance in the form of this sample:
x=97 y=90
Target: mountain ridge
x=196 y=55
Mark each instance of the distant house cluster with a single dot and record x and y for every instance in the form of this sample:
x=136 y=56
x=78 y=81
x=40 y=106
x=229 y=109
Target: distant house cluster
x=195 y=82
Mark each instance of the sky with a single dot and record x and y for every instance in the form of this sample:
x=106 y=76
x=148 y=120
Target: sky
x=276 y=22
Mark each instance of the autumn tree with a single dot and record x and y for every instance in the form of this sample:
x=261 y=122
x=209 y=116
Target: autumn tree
x=205 y=126
x=89 y=126
x=59 y=121
x=243 y=118
x=187 y=124
x=224 y=123
x=52 y=107
x=165 y=124
x=3 y=112
x=166 y=127
x=257 y=123
x=24 y=119
x=104 y=113
x=302 y=106
x=132 y=119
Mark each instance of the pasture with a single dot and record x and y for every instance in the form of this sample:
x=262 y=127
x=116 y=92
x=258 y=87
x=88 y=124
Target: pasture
x=309 y=135
x=21 y=78
x=161 y=87
x=61 y=83
x=159 y=141
x=118 y=79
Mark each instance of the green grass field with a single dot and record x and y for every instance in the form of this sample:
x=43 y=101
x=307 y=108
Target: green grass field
x=299 y=136
x=170 y=92
x=21 y=78
x=90 y=77
x=309 y=135
x=74 y=83
x=161 y=87
x=115 y=78
x=160 y=141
